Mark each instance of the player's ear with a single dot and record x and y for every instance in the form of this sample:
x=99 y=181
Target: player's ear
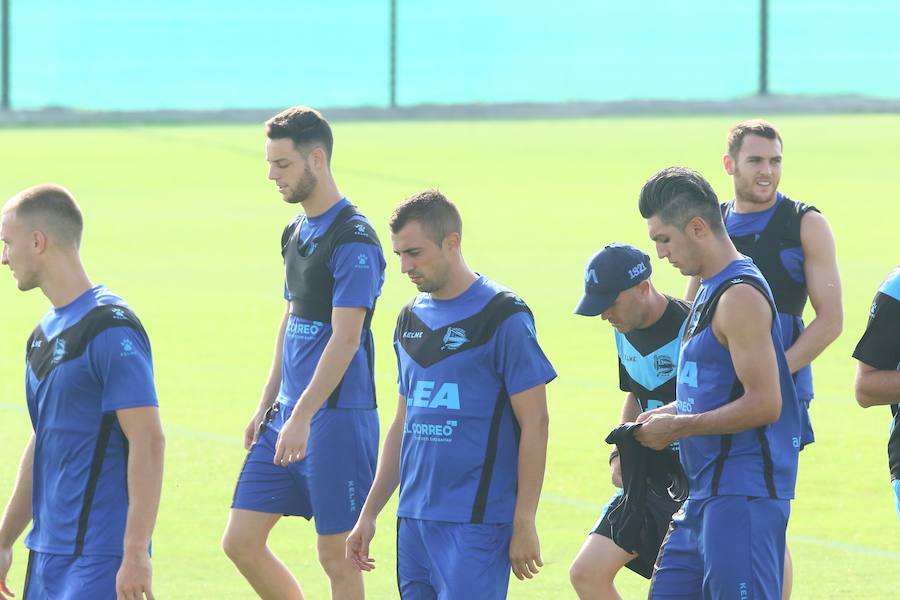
x=319 y=160
x=451 y=242
x=696 y=228
x=729 y=163
x=39 y=241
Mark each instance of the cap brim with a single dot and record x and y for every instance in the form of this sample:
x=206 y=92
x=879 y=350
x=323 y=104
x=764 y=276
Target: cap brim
x=592 y=305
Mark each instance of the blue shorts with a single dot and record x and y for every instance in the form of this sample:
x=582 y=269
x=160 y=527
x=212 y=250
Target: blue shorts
x=437 y=560
x=66 y=577
x=723 y=547
x=807 y=436
x=330 y=483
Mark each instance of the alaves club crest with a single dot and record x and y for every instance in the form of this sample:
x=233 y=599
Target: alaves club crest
x=454 y=338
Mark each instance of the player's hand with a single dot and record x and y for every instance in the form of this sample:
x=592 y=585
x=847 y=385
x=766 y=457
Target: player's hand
x=615 y=468
x=657 y=430
x=5 y=564
x=252 y=429
x=358 y=544
x=134 y=577
x=291 y=444
x=525 y=550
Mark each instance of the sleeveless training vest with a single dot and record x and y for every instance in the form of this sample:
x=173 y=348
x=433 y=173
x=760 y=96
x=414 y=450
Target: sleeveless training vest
x=310 y=282
x=781 y=233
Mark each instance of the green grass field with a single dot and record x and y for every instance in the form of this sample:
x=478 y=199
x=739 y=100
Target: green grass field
x=182 y=222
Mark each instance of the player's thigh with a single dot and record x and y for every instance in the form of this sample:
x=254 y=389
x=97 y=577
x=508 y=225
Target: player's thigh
x=62 y=577
x=265 y=487
x=743 y=543
x=91 y=577
x=340 y=466
x=470 y=560
x=678 y=574
x=413 y=565
x=600 y=558
x=248 y=528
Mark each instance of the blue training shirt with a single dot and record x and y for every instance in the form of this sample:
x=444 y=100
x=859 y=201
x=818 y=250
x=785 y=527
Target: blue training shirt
x=793 y=259
x=760 y=462
x=358 y=271
x=85 y=361
x=459 y=362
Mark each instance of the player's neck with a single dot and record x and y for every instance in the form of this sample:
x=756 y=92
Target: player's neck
x=323 y=198
x=718 y=254
x=658 y=305
x=744 y=205
x=65 y=281
x=461 y=279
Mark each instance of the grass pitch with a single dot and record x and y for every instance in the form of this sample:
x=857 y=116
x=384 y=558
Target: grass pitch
x=182 y=222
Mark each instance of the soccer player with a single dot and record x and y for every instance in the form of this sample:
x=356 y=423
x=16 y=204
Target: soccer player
x=469 y=441
x=90 y=477
x=647 y=332
x=878 y=367
x=313 y=439
x=792 y=245
x=736 y=414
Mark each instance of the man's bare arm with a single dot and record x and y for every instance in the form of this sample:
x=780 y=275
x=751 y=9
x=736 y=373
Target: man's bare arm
x=743 y=323
x=823 y=281
x=876 y=387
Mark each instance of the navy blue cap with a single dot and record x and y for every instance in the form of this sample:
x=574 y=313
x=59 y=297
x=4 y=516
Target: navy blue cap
x=610 y=272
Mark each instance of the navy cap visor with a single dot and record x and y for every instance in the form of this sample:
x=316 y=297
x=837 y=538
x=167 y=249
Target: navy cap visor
x=592 y=304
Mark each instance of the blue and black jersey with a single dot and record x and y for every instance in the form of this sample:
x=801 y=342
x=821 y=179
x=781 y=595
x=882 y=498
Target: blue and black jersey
x=879 y=347
x=760 y=462
x=648 y=358
x=331 y=260
x=459 y=362
x=772 y=239
x=84 y=361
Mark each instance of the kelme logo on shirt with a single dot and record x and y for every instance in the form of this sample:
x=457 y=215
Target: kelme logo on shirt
x=118 y=314
x=413 y=335
x=454 y=338
x=362 y=262
x=127 y=347
x=59 y=350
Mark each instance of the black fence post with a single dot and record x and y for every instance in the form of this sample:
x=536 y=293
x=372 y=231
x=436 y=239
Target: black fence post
x=4 y=54
x=393 y=58
x=764 y=47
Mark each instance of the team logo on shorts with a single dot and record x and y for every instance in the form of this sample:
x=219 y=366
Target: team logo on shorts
x=454 y=338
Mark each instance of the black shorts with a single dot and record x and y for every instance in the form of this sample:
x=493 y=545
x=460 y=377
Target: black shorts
x=660 y=510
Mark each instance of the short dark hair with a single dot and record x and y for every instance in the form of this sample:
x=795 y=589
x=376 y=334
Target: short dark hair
x=758 y=127
x=305 y=126
x=52 y=207
x=677 y=195
x=433 y=210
